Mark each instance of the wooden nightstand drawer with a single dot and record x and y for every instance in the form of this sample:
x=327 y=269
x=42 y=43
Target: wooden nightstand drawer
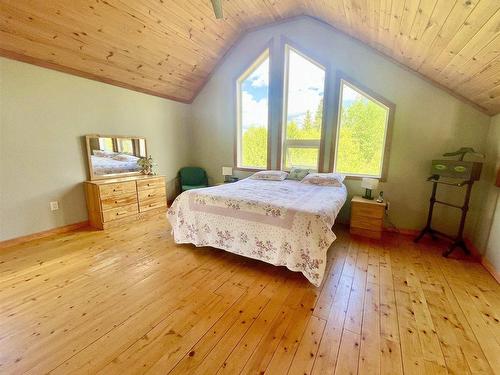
x=366 y=233
x=366 y=223
x=367 y=210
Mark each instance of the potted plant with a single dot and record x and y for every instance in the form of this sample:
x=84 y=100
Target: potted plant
x=147 y=165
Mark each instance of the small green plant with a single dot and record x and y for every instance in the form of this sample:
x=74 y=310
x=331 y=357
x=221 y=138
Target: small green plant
x=147 y=165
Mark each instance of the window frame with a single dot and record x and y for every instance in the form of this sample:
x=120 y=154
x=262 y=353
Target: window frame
x=250 y=68
x=286 y=46
x=365 y=91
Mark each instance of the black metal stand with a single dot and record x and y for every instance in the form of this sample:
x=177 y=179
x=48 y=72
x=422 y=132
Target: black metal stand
x=458 y=240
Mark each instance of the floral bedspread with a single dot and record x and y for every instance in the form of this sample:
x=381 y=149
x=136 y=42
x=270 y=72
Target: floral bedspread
x=285 y=223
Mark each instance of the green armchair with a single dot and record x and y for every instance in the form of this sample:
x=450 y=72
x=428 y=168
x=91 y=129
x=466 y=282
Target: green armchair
x=193 y=178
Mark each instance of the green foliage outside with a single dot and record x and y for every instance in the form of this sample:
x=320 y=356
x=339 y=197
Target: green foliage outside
x=361 y=138
x=254 y=150
x=360 y=147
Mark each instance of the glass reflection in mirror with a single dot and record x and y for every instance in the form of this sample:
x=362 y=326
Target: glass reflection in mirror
x=111 y=156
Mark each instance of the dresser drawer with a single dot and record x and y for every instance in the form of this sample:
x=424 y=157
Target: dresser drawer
x=119 y=188
x=117 y=213
x=151 y=183
x=152 y=203
x=119 y=201
x=367 y=210
x=149 y=194
x=369 y=223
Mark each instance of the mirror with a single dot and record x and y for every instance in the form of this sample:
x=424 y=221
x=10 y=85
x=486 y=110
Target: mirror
x=114 y=156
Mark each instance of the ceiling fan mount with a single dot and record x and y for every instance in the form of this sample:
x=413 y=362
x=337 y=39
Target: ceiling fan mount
x=217 y=5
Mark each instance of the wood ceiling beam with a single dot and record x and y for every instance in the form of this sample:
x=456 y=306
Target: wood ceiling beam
x=169 y=48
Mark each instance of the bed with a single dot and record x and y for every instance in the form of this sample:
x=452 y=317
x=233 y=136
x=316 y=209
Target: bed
x=107 y=165
x=284 y=223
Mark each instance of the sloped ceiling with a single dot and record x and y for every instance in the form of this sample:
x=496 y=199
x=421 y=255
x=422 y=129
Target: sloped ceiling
x=168 y=48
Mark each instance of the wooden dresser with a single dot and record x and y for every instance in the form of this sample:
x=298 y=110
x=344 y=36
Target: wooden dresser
x=367 y=217
x=112 y=202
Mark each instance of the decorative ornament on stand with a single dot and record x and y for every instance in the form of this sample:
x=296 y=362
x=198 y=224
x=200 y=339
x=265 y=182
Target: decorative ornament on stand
x=147 y=165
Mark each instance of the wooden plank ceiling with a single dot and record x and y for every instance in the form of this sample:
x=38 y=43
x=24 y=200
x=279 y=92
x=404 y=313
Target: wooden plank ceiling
x=169 y=47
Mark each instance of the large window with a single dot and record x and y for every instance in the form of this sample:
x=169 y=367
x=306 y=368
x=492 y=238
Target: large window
x=253 y=109
x=303 y=114
x=290 y=132
x=361 y=133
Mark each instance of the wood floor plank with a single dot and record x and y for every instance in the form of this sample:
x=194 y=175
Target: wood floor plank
x=303 y=360
x=129 y=300
x=370 y=349
x=285 y=352
x=411 y=350
x=241 y=353
x=356 y=300
x=347 y=363
x=330 y=341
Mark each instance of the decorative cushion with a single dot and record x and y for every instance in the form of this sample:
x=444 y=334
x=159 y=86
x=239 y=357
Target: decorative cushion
x=324 y=179
x=270 y=175
x=298 y=174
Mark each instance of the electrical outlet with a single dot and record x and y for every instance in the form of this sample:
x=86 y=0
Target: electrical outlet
x=387 y=206
x=54 y=206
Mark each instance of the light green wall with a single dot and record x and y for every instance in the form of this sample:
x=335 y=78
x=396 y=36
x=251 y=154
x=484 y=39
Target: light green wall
x=428 y=120
x=487 y=233
x=43 y=115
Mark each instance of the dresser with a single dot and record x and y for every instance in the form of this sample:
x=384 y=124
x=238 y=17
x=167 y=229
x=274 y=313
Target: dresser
x=367 y=217
x=112 y=202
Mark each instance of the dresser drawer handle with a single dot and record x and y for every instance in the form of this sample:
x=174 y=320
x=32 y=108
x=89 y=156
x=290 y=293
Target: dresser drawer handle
x=116 y=201
x=120 y=213
x=150 y=195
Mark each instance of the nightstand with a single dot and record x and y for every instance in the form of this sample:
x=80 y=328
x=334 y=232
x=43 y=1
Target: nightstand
x=367 y=217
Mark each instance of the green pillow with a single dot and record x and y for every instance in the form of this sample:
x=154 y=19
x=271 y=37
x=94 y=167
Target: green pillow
x=297 y=174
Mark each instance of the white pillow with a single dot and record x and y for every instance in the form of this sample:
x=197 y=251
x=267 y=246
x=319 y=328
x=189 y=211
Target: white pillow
x=125 y=157
x=103 y=154
x=324 y=179
x=270 y=175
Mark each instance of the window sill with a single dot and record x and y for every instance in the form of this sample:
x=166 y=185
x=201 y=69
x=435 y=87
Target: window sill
x=354 y=178
x=247 y=169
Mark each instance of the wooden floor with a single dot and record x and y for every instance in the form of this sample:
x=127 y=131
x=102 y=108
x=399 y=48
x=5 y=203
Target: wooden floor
x=130 y=301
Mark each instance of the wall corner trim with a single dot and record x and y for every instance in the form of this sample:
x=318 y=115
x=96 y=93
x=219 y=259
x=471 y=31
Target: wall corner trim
x=491 y=269
x=39 y=235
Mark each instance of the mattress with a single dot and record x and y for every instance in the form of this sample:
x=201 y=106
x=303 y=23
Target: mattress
x=284 y=223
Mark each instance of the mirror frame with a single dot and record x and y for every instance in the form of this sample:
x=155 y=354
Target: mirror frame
x=92 y=175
